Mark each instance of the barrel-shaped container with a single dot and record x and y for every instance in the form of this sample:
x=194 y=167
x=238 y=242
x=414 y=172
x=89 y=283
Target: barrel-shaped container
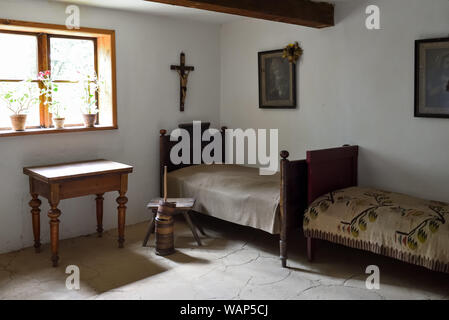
x=164 y=228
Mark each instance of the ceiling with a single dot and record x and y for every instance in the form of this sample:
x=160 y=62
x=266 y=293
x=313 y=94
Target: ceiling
x=166 y=10
x=158 y=9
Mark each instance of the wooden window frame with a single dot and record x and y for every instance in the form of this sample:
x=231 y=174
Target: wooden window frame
x=105 y=66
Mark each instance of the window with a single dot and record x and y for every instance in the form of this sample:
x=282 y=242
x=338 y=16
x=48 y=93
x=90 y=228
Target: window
x=28 y=48
x=18 y=61
x=68 y=58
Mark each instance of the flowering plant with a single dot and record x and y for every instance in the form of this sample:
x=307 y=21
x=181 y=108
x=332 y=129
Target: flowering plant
x=20 y=100
x=90 y=85
x=48 y=90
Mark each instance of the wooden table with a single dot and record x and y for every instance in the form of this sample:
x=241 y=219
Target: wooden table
x=71 y=180
x=184 y=206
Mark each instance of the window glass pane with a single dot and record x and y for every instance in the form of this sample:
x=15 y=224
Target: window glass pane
x=70 y=56
x=69 y=95
x=17 y=88
x=18 y=56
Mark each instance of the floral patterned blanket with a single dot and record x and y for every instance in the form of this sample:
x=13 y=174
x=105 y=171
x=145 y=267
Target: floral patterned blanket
x=396 y=225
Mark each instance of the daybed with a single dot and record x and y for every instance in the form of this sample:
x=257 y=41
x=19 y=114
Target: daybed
x=392 y=224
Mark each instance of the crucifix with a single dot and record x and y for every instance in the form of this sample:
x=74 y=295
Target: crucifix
x=183 y=72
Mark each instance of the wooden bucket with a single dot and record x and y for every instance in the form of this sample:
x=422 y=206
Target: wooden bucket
x=165 y=243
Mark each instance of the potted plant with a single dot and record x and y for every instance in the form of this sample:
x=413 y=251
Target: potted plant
x=89 y=107
x=19 y=102
x=54 y=106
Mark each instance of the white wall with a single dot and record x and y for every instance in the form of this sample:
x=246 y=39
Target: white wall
x=148 y=100
x=355 y=86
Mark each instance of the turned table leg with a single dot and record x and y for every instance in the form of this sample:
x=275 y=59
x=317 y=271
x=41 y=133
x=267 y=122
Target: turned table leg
x=122 y=200
x=35 y=203
x=99 y=199
x=54 y=214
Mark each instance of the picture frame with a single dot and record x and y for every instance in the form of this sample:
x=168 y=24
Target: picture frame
x=432 y=78
x=277 y=81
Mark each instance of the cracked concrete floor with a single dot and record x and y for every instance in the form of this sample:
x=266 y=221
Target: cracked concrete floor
x=234 y=263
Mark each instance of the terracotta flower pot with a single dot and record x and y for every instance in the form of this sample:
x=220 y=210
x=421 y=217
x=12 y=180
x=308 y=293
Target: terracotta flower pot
x=89 y=120
x=18 y=122
x=59 y=123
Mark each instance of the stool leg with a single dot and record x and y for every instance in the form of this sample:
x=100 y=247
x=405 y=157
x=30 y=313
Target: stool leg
x=150 y=231
x=200 y=228
x=192 y=227
x=195 y=222
x=153 y=230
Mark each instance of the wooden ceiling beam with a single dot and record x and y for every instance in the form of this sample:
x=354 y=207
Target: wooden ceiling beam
x=299 y=12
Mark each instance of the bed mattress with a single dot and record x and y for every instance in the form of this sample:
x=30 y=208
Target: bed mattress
x=396 y=225
x=233 y=193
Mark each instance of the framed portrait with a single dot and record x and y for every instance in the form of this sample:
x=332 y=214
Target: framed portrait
x=277 y=81
x=432 y=78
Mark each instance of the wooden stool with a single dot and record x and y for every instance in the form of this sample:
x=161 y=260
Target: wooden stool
x=184 y=206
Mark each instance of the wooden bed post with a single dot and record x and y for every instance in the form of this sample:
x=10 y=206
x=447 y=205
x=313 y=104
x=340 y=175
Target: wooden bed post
x=283 y=208
x=223 y=143
x=311 y=244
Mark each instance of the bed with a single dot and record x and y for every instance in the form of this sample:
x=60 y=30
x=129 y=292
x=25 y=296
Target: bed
x=396 y=225
x=230 y=192
x=238 y=194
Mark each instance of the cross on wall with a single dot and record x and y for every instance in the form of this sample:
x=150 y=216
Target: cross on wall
x=183 y=72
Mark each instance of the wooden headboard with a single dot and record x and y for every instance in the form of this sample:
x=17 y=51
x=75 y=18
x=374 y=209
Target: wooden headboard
x=330 y=170
x=165 y=146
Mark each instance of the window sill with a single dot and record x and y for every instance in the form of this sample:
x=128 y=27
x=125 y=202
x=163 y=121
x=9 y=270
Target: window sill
x=29 y=132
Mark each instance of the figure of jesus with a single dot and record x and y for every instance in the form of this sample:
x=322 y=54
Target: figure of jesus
x=184 y=78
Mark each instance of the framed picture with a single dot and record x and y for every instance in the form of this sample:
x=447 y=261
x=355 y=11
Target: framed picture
x=432 y=78
x=277 y=81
